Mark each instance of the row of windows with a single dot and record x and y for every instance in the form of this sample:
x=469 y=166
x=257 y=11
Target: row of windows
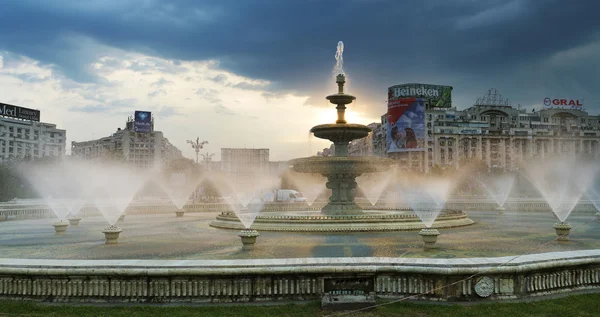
x=35 y=131
x=521 y=118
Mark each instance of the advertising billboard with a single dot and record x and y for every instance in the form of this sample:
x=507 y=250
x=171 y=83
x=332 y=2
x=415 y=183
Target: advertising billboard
x=434 y=96
x=405 y=125
x=17 y=112
x=563 y=103
x=142 y=121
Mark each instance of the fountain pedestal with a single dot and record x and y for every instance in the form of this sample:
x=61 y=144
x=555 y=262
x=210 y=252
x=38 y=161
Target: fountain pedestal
x=179 y=213
x=60 y=227
x=500 y=209
x=341 y=202
x=248 y=237
x=429 y=237
x=562 y=231
x=111 y=234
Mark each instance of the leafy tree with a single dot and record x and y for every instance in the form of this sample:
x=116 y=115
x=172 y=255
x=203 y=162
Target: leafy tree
x=13 y=184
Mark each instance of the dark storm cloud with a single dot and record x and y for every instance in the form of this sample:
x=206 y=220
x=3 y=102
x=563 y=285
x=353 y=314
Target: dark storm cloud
x=516 y=46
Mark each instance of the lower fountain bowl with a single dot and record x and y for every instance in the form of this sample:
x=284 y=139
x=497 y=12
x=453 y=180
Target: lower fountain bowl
x=314 y=221
x=331 y=164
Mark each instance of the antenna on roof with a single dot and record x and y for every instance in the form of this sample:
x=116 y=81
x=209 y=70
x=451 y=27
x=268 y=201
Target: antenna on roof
x=492 y=99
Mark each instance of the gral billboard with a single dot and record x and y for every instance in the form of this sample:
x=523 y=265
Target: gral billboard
x=405 y=125
x=563 y=103
x=19 y=112
x=142 y=121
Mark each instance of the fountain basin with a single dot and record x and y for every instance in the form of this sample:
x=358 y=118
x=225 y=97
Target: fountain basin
x=74 y=221
x=179 y=213
x=429 y=237
x=562 y=231
x=248 y=237
x=60 y=227
x=111 y=234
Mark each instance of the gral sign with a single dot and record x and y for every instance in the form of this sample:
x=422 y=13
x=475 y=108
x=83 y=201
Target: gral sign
x=142 y=121
x=405 y=125
x=19 y=112
x=563 y=103
x=434 y=96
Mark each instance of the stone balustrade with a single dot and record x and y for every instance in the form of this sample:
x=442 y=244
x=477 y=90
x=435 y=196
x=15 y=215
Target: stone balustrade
x=205 y=281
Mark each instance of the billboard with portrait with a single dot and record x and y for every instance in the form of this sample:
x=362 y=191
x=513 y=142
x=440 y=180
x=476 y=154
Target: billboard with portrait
x=405 y=125
x=142 y=121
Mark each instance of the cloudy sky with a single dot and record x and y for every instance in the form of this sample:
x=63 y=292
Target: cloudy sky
x=255 y=73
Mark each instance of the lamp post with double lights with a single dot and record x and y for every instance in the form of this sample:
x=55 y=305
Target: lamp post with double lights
x=197 y=145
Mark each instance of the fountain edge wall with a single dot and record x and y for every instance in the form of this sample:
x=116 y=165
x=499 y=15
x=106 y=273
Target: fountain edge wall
x=204 y=281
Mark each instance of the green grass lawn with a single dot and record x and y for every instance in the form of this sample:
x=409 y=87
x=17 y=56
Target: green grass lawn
x=576 y=305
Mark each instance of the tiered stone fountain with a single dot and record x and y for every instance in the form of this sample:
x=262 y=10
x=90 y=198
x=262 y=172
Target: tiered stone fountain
x=341 y=170
x=341 y=213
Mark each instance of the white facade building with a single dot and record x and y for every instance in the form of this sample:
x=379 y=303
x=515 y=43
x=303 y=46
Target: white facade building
x=495 y=133
x=140 y=149
x=246 y=165
x=25 y=140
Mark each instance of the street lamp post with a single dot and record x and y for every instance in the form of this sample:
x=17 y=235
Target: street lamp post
x=207 y=158
x=197 y=146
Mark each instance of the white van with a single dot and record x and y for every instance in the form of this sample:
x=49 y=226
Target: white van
x=284 y=196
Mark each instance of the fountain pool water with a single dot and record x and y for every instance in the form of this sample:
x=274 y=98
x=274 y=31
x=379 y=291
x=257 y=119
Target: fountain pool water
x=562 y=181
x=310 y=185
x=180 y=186
x=499 y=187
x=374 y=185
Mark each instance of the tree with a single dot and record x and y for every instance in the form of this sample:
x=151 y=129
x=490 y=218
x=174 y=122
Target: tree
x=13 y=184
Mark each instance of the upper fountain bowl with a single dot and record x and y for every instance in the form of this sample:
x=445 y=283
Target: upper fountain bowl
x=341 y=98
x=340 y=132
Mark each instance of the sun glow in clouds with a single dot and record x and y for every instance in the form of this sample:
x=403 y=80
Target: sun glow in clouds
x=329 y=115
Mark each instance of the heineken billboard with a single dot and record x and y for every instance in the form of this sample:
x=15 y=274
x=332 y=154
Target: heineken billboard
x=433 y=96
